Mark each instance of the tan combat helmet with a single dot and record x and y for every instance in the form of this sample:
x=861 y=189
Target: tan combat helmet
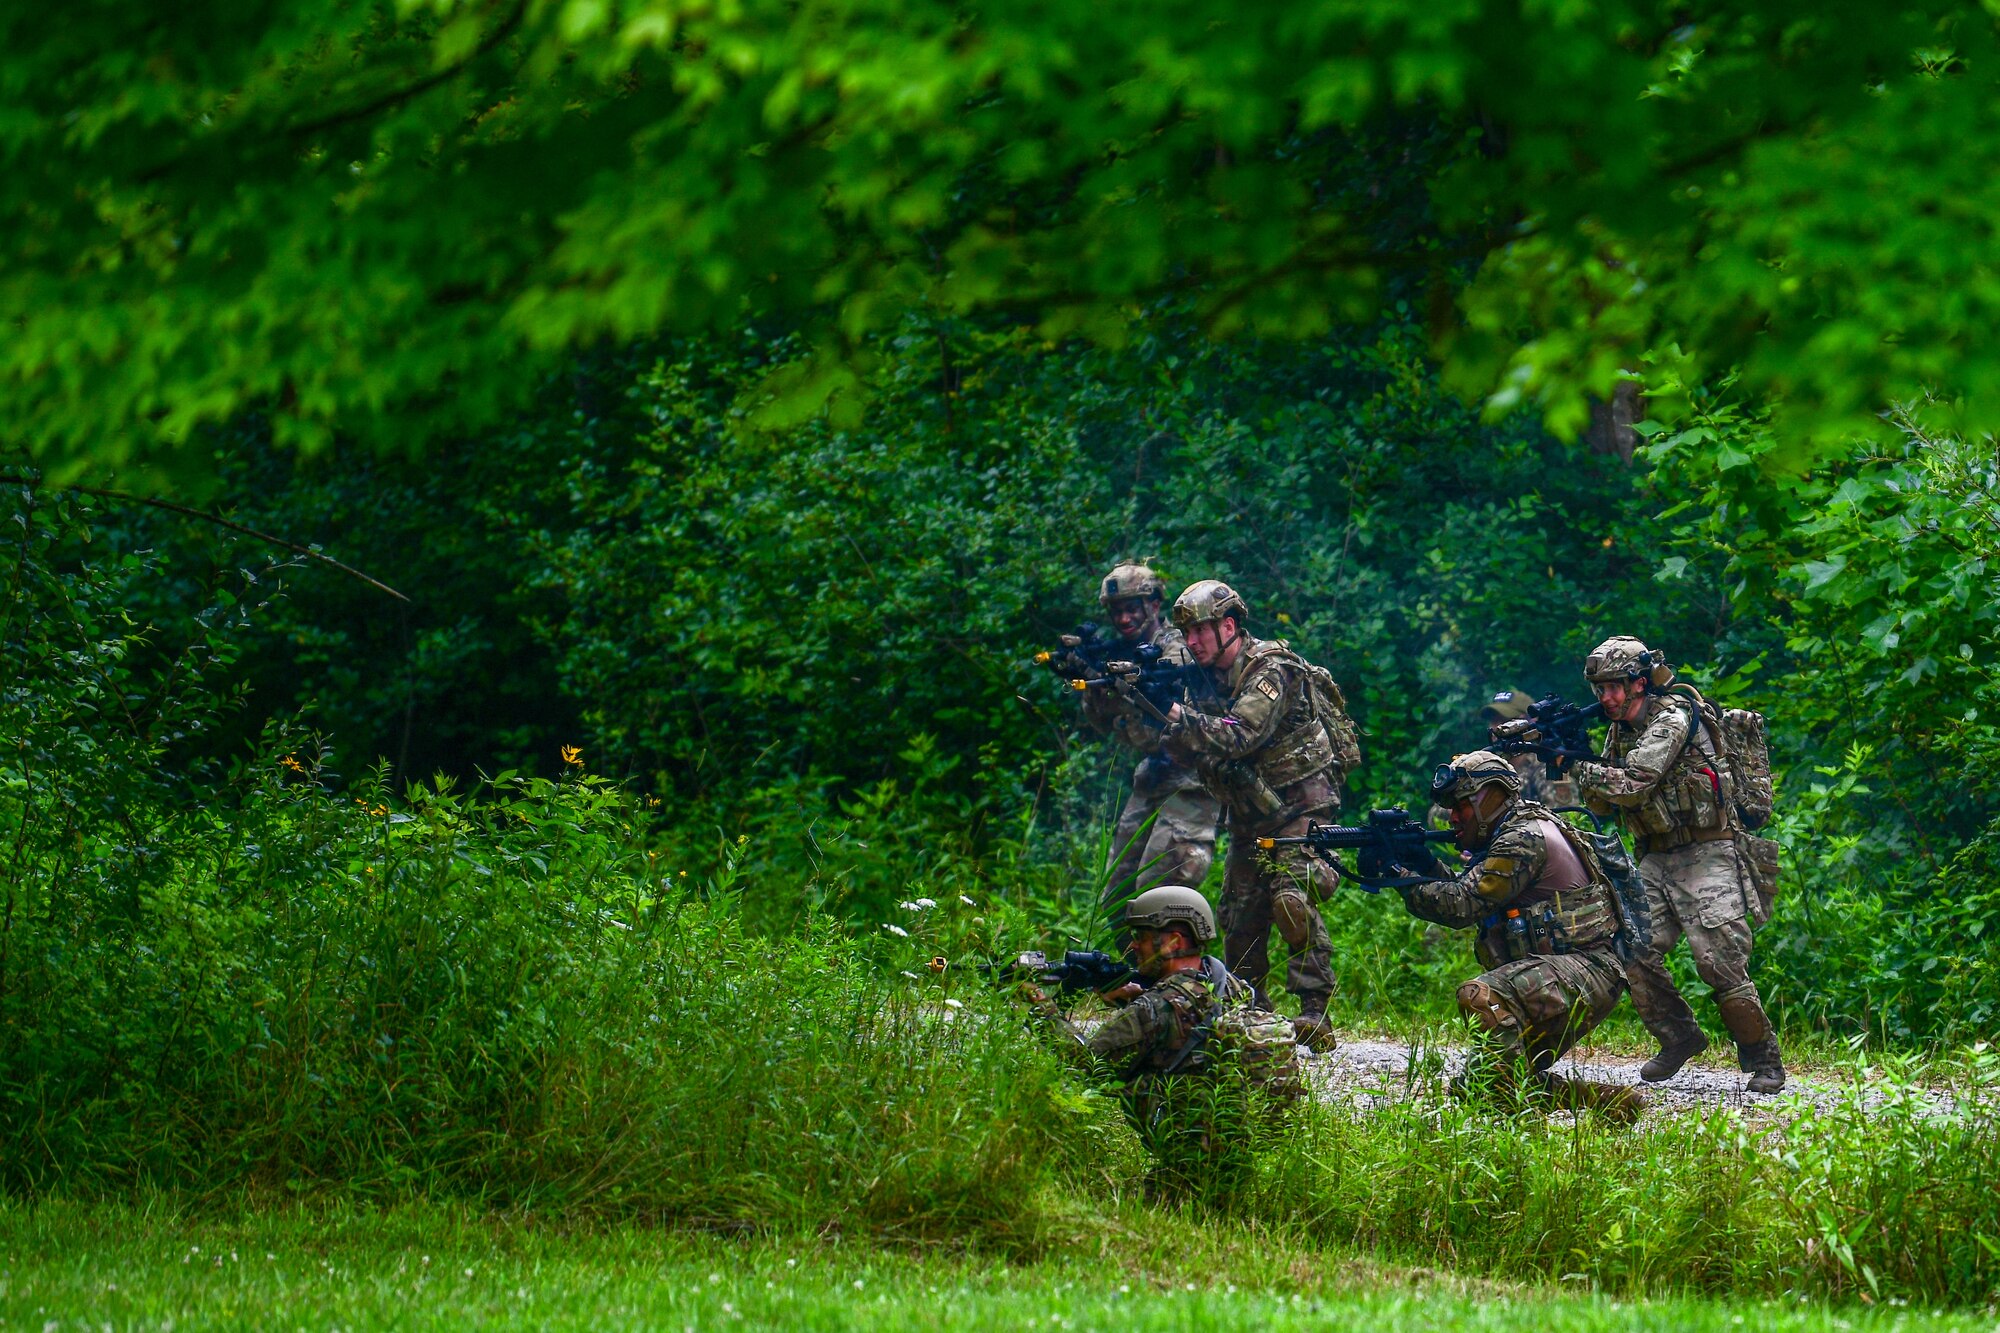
x=1208 y=600
x=1506 y=706
x=1128 y=581
x=1171 y=905
x=1623 y=657
x=1466 y=774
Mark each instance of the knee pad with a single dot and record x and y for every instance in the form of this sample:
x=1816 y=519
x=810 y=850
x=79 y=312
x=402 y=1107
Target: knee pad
x=1481 y=1004
x=1294 y=917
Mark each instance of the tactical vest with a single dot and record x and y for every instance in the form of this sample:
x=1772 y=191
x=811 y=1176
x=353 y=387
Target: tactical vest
x=1299 y=748
x=1691 y=802
x=1568 y=909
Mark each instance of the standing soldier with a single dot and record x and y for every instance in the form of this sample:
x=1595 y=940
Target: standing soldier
x=1166 y=832
x=1536 y=785
x=1274 y=752
x=1547 y=920
x=1666 y=775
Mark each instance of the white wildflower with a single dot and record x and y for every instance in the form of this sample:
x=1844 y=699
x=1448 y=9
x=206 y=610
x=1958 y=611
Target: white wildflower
x=953 y=1004
x=895 y=930
x=924 y=904
x=913 y=976
x=967 y=901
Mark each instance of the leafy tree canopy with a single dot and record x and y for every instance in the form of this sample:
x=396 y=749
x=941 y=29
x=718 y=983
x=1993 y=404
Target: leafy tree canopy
x=385 y=220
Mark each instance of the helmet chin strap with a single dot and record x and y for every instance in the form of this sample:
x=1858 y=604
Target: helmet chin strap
x=1235 y=636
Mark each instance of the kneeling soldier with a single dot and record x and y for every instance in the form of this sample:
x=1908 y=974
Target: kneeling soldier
x=1547 y=922
x=1201 y=1067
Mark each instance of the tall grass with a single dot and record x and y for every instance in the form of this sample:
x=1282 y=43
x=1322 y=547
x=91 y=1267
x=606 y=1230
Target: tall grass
x=1875 y=1195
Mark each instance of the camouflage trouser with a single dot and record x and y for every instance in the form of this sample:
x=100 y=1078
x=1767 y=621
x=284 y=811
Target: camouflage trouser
x=1533 y=1010
x=1177 y=847
x=1278 y=887
x=1700 y=892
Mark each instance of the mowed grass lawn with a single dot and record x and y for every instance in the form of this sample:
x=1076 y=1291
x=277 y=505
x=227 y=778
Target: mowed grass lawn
x=65 y=1266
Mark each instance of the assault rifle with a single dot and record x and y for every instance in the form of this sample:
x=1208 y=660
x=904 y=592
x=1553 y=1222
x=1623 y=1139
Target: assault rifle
x=1555 y=731
x=1083 y=653
x=1385 y=842
x=1079 y=970
x=1090 y=660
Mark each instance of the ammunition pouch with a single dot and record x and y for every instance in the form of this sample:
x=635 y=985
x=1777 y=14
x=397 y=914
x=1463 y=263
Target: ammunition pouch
x=1760 y=862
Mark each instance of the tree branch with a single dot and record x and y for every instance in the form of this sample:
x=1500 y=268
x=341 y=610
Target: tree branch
x=309 y=552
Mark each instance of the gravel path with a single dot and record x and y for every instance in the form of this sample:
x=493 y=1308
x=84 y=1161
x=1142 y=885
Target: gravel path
x=1370 y=1071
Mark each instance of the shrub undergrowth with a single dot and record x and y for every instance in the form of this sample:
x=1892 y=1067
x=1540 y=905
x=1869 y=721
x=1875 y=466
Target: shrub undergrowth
x=247 y=984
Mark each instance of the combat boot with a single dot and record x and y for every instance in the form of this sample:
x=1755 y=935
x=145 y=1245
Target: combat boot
x=1763 y=1064
x=1672 y=1056
x=1616 y=1103
x=1311 y=1030
x=1756 y=1043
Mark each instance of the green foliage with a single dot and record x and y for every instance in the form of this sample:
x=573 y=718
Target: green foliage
x=395 y=220
x=495 y=993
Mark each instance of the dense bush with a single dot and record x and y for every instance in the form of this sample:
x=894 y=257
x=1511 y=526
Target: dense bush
x=820 y=635
x=500 y=992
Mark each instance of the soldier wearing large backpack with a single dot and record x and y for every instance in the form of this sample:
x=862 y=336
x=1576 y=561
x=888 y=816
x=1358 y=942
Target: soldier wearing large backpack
x=1202 y=1068
x=1549 y=923
x=1666 y=773
x=1274 y=753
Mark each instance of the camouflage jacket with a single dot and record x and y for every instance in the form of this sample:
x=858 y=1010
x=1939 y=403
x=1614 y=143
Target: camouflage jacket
x=1147 y=1035
x=1662 y=778
x=1265 y=755
x=1558 y=896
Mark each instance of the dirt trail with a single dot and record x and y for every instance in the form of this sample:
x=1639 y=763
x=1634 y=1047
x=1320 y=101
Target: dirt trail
x=1369 y=1071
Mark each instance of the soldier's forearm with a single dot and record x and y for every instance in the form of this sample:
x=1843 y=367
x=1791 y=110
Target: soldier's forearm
x=1443 y=902
x=1615 y=784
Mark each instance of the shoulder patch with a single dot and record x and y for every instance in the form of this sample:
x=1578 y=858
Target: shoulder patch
x=1268 y=687
x=1496 y=878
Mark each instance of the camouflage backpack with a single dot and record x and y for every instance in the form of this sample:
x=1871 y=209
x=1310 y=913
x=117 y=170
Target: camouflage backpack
x=1261 y=1044
x=1743 y=737
x=1329 y=706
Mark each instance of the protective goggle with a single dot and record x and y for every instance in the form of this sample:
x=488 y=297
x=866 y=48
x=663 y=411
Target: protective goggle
x=1447 y=777
x=1444 y=782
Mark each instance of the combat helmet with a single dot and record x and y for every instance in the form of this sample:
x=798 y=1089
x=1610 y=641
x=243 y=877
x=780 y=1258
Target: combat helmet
x=1208 y=600
x=1172 y=905
x=1462 y=778
x=1506 y=706
x=1623 y=657
x=1128 y=581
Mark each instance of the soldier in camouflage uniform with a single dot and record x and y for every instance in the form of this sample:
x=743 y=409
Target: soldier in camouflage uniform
x=1547 y=921
x=1166 y=832
x=1536 y=786
x=1268 y=755
x=1665 y=774
x=1196 y=1098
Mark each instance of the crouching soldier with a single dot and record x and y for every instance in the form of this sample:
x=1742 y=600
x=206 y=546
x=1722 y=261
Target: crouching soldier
x=1202 y=1070
x=1547 y=918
